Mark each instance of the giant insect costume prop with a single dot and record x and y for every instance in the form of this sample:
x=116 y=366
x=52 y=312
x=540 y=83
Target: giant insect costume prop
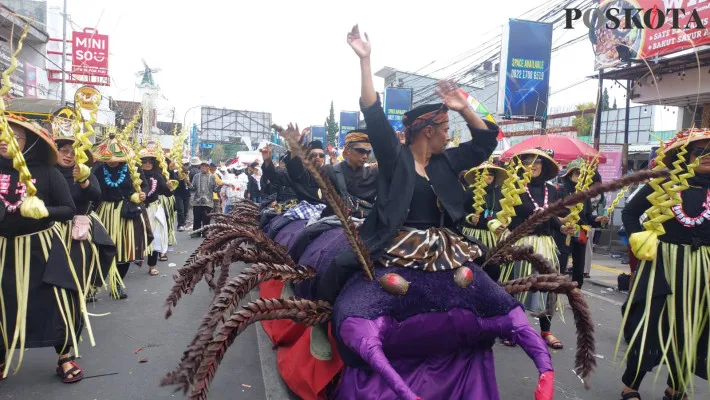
x=236 y=237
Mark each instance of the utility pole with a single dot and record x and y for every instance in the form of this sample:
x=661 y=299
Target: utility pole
x=64 y=54
x=598 y=118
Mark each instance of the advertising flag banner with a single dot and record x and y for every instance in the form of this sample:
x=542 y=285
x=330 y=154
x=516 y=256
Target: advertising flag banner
x=397 y=102
x=348 y=122
x=524 y=81
x=318 y=133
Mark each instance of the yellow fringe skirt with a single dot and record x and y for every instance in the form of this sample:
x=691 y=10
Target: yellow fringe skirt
x=665 y=320
x=171 y=216
x=484 y=236
x=41 y=297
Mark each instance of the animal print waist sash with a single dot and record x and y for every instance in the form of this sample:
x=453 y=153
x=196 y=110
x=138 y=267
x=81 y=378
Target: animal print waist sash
x=434 y=249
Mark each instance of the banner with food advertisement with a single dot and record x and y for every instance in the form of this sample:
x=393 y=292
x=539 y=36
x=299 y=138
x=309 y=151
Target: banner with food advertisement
x=637 y=38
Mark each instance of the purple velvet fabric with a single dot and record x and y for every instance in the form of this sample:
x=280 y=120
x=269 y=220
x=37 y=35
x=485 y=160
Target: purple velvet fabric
x=428 y=292
x=456 y=362
x=319 y=254
x=272 y=223
x=288 y=233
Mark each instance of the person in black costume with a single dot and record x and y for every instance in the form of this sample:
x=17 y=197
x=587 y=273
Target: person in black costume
x=36 y=267
x=93 y=252
x=182 y=198
x=577 y=247
x=538 y=195
x=120 y=210
x=665 y=319
x=154 y=186
x=282 y=191
x=418 y=185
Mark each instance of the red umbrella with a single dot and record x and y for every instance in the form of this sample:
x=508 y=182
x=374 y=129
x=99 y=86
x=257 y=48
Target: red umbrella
x=566 y=148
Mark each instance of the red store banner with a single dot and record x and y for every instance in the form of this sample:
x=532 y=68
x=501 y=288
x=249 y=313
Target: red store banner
x=90 y=52
x=645 y=43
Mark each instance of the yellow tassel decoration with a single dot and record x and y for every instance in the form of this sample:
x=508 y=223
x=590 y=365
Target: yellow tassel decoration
x=82 y=143
x=32 y=206
x=479 y=191
x=645 y=244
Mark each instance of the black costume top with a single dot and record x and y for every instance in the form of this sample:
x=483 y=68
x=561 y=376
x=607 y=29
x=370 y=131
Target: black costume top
x=84 y=199
x=280 y=180
x=694 y=204
x=361 y=183
x=586 y=217
x=536 y=187
x=395 y=189
x=491 y=207
x=51 y=186
x=114 y=194
x=397 y=176
x=423 y=211
x=154 y=185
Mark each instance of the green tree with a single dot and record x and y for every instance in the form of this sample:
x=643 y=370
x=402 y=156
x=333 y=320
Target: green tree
x=218 y=154
x=584 y=122
x=614 y=106
x=332 y=128
x=605 y=100
x=231 y=149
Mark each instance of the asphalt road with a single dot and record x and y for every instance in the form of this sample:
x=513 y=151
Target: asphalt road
x=114 y=372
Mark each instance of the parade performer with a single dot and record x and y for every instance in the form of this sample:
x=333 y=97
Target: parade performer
x=278 y=178
x=41 y=293
x=577 y=247
x=121 y=209
x=537 y=196
x=182 y=196
x=155 y=186
x=486 y=178
x=169 y=203
x=356 y=183
x=90 y=246
x=666 y=315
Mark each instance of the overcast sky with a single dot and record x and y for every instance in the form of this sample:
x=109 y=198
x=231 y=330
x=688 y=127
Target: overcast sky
x=291 y=58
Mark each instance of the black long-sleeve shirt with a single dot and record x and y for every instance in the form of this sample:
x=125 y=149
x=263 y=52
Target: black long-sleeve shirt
x=52 y=189
x=527 y=208
x=83 y=198
x=114 y=194
x=694 y=199
x=154 y=185
x=279 y=178
x=397 y=174
x=491 y=207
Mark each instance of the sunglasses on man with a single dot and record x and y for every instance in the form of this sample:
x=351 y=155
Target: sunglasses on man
x=316 y=155
x=364 y=152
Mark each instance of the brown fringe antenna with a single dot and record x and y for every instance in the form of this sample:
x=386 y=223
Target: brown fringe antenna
x=301 y=311
x=224 y=247
x=335 y=202
x=585 y=360
x=230 y=296
x=527 y=227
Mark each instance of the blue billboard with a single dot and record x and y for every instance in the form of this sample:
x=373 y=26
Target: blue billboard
x=397 y=102
x=319 y=133
x=348 y=122
x=524 y=81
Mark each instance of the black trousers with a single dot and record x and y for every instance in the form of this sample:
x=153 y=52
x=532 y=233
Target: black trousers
x=123 y=269
x=578 y=251
x=182 y=206
x=153 y=259
x=199 y=216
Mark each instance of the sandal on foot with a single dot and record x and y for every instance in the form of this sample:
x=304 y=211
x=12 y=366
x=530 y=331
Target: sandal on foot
x=508 y=343
x=668 y=396
x=76 y=372
x=552 y=343
x=630 y=396
x=163 y=257
x=153 y=271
